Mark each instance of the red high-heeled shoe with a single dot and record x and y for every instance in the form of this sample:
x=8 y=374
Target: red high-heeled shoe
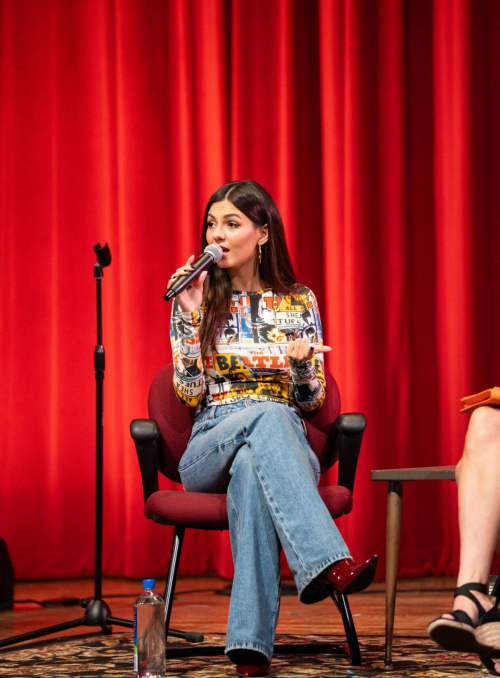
x=253 y=669
x=347 y=577
x=249 y=662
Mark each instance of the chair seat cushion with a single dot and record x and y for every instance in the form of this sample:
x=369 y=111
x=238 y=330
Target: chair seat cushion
x=209 y=511
x=191 y=509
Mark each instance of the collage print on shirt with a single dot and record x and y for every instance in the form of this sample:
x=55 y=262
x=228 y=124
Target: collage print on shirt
x=250 y=357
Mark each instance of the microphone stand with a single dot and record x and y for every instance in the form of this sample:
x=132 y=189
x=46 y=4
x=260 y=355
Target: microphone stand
x=97 y=612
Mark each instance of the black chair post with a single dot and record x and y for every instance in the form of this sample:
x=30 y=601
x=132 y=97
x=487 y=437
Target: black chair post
x=342 y=604
x=175 y=557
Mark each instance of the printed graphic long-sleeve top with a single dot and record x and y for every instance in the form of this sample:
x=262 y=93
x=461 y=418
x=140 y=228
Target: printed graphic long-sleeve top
x=250 y=360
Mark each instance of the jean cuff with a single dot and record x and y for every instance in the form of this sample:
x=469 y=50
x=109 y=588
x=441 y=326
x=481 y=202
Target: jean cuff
x=310 y=589
x=245 y=645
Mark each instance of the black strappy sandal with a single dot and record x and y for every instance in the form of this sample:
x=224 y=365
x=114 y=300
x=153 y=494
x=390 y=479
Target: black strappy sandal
x=487 y=632
x=459 y=634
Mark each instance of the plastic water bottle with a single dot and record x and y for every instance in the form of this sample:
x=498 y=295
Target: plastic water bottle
x=149 y=633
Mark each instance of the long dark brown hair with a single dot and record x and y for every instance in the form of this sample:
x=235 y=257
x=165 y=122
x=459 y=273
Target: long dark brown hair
x=275 y=269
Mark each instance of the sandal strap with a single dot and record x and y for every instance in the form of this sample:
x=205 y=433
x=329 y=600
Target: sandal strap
x=462 y=617
x=465 y=590
x=492 y=616
x=471 y=586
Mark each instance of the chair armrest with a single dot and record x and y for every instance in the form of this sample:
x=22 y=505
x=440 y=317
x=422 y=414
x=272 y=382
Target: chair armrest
x=145 y=433
x=348 y=430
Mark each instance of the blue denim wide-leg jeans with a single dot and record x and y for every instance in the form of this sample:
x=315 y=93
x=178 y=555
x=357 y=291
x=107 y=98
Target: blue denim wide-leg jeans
x=272 y=499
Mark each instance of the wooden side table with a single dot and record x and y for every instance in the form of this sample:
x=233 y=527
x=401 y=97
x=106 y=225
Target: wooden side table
x=395 y=478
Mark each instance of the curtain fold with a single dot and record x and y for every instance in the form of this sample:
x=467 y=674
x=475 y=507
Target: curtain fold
x=375 y=127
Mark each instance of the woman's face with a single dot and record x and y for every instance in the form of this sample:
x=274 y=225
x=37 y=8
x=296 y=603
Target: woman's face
x=235 y=233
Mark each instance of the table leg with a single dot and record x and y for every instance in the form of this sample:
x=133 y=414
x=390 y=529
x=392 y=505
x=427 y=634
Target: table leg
x=393 y=536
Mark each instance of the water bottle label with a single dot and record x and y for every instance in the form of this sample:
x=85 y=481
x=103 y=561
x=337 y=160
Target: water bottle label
x=136 y=649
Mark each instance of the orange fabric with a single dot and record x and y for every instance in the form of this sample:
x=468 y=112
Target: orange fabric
x=375 y=127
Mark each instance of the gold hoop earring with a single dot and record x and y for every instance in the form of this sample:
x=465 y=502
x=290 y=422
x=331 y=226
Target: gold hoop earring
x=260 y=254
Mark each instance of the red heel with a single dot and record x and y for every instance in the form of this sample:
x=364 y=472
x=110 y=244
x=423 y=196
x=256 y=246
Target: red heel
x=347 y=577
x=253 y=669
x=249 y=662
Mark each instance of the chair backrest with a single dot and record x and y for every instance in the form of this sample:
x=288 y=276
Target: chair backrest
x=320 y=423
x=175 y=420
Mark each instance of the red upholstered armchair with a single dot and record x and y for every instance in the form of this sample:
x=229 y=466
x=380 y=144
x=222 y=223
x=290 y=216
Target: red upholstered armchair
x=160 y=443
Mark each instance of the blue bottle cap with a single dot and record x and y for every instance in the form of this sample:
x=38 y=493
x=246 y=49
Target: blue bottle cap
x=148 y=583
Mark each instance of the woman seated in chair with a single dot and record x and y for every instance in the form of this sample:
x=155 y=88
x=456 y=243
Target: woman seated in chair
x=474 y=624
x=247 y=347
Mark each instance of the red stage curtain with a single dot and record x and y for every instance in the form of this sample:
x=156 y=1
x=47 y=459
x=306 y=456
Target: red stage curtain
x=375 y=125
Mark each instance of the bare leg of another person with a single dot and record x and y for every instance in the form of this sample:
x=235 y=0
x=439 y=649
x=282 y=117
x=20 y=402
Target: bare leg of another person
x=478 y=479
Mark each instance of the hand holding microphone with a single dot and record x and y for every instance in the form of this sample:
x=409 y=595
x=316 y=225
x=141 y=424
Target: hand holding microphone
x=190 y=298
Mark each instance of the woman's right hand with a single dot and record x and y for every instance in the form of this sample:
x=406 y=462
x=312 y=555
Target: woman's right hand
x=191 y=298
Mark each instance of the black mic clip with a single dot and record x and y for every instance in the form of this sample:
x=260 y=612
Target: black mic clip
x=103 y=259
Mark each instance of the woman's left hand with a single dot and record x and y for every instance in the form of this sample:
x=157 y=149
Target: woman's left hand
x=302 y=349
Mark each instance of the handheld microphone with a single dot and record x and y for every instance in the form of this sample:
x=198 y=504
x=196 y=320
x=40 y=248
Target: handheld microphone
x=211 y=255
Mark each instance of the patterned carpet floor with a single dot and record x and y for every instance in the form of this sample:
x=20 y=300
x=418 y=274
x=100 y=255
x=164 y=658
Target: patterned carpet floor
x=112 y=656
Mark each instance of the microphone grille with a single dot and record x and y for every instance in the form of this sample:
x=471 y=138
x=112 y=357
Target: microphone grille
x=215 y=251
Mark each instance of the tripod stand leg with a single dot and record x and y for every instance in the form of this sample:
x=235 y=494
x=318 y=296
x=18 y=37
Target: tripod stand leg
x=42 y=632
x=120 y=622
x=189 y=636
x=99 y=614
